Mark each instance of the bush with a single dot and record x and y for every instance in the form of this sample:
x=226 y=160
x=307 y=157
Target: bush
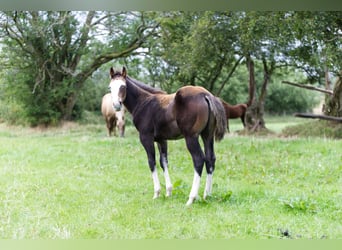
x=11 y=113
x=284 y=99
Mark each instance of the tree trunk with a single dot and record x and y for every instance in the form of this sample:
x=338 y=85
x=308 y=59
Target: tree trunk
x=254 y=118
x=327 y=87
x=68 y=107
x=333 y=106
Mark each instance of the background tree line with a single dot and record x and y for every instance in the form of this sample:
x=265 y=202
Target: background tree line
x=55 y=64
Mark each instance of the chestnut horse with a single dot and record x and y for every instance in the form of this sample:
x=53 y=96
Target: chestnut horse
x=113 y=119
x=235 y=111
x=189 y=113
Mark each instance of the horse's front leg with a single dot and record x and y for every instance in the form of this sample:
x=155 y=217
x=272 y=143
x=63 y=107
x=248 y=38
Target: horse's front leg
x=162 y=146
x=148 y=143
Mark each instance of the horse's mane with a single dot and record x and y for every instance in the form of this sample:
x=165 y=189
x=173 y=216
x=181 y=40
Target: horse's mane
x=144 y=86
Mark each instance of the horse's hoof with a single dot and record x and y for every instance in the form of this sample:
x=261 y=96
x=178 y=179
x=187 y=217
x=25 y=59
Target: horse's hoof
x=190 y=201
x=156 y=194
x=206 y=195
x=168 y=191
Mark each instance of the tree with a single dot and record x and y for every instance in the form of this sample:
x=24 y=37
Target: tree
x=53 y=53
x=198 y=48
x=318 y=52
x=260 y=43
x=213 y=45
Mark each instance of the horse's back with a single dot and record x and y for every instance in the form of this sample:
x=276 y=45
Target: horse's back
x=190 y=93
x=234 y=111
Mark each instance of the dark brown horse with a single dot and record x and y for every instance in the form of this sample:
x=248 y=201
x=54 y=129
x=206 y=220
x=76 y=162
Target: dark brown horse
x=235 y=111
x=189 y=113
x=114 y=119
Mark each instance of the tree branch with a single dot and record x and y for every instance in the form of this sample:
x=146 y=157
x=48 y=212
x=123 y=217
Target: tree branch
x=16 y=35
x=216 y=72
x=330 y=92
x=106 y=57
x=322 y=117
x=102 y=59
x=229 y=75
x=83 y=39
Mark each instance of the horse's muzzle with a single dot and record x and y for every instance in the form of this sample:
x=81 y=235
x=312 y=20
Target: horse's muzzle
x=117 y=106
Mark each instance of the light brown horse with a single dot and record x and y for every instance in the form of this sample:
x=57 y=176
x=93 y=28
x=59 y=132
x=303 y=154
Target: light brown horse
x=190 y=113
x=235 y=111
x=114 y=119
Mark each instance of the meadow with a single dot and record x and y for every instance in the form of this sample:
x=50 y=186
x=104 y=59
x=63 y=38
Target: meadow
x=73 y=182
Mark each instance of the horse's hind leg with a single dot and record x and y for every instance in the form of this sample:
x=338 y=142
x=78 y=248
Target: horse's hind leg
x=209 y=164
x=111 y=123
x=197 y=155
x=243 y=120
x=109 y=129
x=114 y=125
x=162 y=146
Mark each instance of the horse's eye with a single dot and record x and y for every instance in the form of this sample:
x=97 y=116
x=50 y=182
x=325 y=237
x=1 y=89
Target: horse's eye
x=122 y=88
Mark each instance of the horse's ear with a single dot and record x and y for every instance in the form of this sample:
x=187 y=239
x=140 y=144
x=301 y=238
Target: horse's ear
x=124 y=72
x=111 y=72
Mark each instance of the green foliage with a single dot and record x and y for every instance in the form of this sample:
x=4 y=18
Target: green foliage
x=284 y=99
x=57 y=55
x=49 y=55
x=94 y=89
x=201 y=48
x=236 y=91
x=320 y=45
x=281 y=98
x=11 y=112
x=36 y=107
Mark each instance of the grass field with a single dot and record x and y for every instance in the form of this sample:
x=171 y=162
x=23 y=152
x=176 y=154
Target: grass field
x=75 y=183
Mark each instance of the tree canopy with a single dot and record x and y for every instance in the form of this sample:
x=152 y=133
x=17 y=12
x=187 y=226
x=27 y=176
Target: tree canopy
x=49 y=55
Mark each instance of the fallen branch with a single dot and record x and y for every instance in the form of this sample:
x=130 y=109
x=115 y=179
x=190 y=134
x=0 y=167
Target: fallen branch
x=323 y=117
x=330 y=92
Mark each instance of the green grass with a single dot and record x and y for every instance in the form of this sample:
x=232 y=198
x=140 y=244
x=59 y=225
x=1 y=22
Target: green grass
x=75 y=183
x=274 y=123
x=318 y=128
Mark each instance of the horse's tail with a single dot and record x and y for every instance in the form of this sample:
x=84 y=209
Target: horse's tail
x=219 y=112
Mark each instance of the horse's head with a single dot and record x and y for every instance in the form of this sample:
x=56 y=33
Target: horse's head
x=117 y=87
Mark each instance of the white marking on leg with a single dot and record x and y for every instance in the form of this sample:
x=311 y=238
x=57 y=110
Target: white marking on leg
x=168 y=183
x=208 y=186
x=156 y=184
x=194 y=190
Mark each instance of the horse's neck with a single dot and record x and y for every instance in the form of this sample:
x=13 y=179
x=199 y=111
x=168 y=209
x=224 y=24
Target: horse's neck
x=227 y=107
x=134 y=96
x=144 y=86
